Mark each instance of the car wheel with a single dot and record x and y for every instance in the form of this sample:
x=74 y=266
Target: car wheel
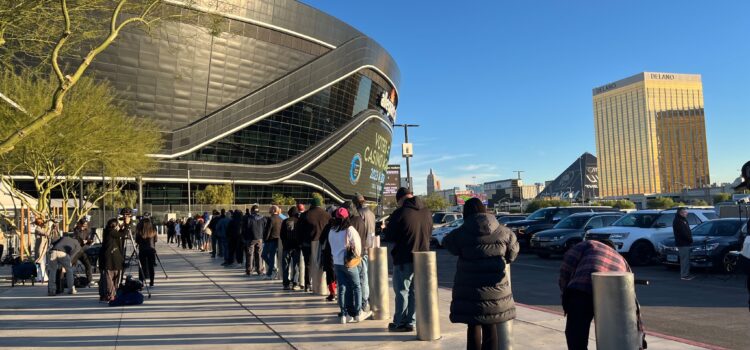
x=543 y=255
x=728 y=263
x=641 y=253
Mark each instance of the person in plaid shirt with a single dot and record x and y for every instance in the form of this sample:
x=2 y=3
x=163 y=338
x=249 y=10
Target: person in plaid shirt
x=578 y=264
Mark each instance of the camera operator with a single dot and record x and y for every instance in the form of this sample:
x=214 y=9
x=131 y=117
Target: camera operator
x=127 y=227
x=82 y=234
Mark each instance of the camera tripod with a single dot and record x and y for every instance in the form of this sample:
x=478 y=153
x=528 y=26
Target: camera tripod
x=137 y=258
x=133 y=255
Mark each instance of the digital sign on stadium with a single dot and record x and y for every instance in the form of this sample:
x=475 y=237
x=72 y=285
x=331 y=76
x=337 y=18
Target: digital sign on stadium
x=359 y=164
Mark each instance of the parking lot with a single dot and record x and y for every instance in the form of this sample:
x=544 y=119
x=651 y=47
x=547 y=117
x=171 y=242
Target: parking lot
x=710 y=309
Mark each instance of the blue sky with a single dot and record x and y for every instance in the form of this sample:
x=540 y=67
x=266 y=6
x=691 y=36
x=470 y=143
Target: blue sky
x=499 y=86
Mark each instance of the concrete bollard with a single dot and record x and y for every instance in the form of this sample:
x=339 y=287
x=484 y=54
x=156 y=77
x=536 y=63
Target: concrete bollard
x=615 y=311
x=505 y=329
x=319 y=285
x=377 y=275
x=426 y=295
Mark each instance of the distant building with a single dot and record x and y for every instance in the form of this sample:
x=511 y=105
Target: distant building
x=433 y=183
x=510 y=191
x=651 y=134
x=579 y=182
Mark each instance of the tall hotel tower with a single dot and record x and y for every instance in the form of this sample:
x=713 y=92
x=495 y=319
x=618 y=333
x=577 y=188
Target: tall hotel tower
x=651 y=134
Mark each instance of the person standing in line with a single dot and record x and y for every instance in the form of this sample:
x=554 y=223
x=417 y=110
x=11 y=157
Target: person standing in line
x=368 y=241
x=221 y=230
x=683 y=238
x=111 y=260
x=145 y=238
x=410 y=228
x=271 y=242
x=186 y=231
x=252 y=233
x=579 y=262
x=214 y=237
x=171 y=232
x=291 y=251
x=343 y=239
x=234 y=235
x=482 y=296
x=178 y=232
x=311 y=226
x=356 y=220
x=60 y=255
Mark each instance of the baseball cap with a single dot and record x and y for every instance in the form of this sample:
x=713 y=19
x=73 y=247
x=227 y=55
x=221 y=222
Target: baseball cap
x=342 y=213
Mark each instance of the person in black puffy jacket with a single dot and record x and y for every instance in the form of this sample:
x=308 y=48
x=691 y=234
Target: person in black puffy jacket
x=683 y=238
x=291 y=250
x=482 y=297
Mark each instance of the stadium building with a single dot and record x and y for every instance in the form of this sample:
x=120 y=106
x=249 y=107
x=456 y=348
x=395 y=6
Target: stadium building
x=285 y=99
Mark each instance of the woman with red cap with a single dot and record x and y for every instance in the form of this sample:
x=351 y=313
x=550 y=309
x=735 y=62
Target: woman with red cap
x=346 y=250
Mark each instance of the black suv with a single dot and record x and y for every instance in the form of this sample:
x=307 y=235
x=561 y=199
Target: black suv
x=546 y=218
x=569 y=232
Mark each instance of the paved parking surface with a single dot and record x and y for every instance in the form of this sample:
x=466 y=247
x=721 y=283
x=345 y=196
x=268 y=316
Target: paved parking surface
x=710 y=309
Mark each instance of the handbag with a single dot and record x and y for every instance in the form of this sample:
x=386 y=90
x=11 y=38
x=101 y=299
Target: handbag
x=351 y=258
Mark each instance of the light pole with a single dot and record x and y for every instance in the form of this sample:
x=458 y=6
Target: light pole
x=405 y=154
x=190 y=213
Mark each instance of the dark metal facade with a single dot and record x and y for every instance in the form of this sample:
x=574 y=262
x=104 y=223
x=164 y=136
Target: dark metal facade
x=268 y=101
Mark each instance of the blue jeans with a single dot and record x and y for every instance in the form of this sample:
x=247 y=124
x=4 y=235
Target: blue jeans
x=364 y=281
x=403 y=276
x=270 y=249
x=350 y=293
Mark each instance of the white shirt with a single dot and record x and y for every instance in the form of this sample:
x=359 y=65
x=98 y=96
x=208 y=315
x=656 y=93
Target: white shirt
x=746 y=248
x=337 y=240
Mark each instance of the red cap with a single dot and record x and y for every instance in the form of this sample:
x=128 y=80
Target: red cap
x=342 y=213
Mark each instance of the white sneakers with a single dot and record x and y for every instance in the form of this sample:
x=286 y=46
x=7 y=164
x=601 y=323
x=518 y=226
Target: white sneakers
x=364 y=315
x=343 y=319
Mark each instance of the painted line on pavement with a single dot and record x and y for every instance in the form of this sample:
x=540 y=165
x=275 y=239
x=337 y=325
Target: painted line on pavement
x=235 y=299
x=651 y=333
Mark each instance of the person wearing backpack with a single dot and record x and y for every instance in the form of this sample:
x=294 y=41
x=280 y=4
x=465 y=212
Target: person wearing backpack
x=252 y=235
x=482 y=296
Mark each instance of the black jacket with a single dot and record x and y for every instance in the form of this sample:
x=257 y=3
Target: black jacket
x=255 y=228
x=288 y=234
x=110 y=254
x=273 y=229
x=481 y=291
x=312 y=224
x=234 y=228
x=410 y=227
x=683 y=237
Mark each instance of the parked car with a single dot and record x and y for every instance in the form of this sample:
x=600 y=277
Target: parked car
x=546 y=218
x=440 y=219
x=712 y=242
x=439 y=233
x=569 y=232
x=636 y=235
x=504 y=219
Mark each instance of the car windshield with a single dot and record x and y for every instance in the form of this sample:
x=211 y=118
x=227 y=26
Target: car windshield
x=456 y=223
x=642 y=220
x=575 y=222
x=717 y=228
x=540 y=214
x=437 y=218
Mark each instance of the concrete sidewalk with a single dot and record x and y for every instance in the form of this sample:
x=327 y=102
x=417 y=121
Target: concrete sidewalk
x=203 y=305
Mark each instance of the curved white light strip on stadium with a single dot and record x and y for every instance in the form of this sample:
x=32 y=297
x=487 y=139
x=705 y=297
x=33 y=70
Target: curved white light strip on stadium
x=259 y=118
x=249 y=20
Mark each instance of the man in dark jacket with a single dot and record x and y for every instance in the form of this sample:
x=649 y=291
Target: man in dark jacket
x=683 y=238
x=410 y=228
x=271 y=242
x=311 y=225
x=234 y=236
x=215 y=218
x=61 y=254
x=291 y=252
x=252 y=235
